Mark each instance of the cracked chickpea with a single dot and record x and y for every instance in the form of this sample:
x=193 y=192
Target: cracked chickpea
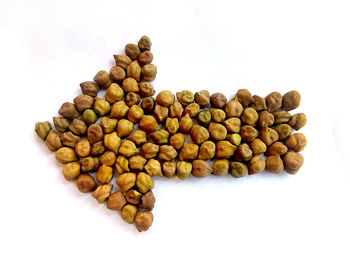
x=102 y=192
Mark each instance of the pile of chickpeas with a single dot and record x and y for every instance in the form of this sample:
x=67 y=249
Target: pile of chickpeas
x=132 y=137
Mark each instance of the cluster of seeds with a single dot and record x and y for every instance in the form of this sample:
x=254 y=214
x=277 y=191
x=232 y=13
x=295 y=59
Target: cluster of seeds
x=134 y=137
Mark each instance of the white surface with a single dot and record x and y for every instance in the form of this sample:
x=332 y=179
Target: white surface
x=49 y=47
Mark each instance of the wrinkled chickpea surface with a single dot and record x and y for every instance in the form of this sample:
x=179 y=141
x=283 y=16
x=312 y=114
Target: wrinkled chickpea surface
x=114 y=146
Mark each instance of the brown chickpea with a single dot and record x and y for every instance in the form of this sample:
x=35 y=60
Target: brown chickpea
x=233 y=124
x=248 y=133
x=274 y=101
x=276 y=148
x=183 y=169
x=102 y=79
x=134 y=70
x=146 y=89
x=130 y=85
x=165 y=98
x=95 y=133
x=143 y=220
x=150 y=150
x=258 y=146
x=224 y=149
x=97 y=148
x=137 y=162
x=296 y=142
x=244 y=97
x=243 y=153
x=176 y=110
x=89 y=164
x=122 y=61
x=153 y=168
x=167 y=153
x=133 y=196
x=217 y=131
x=128 y=148
x=268 y=135
x=201 y=168
x=274 y=164
x=256 y=165
x=250 y=116
x=69 y=139
x=119 y=110
x=172 y=125
x=83 y=148
x=128 y=213
x=218 y=100
x=169 y=169
x=238 y=169
x=185 y=97
x=117 y=74
x=138 y=137
x=104 y=174
x=147 y=201
x=177 y=140
x=283 y=130
x=192 y=109
x=199 y=134
x=297 y=121
x=122 y=165
x=235 y=138
x=124 y=128
x=116 y=201
x=292 y=162
x=189 y=152
x=112 y=142
x=291 y=100
x=132 y=98
x=145 y=57
x=185 y=124
x=207 y=150
x=108 y=125
x=108 y=158
x=148 y=123
x=86 y=183
x=126 y=181
x=147 y=104
x=149 y=72
x=266 y=119
x=220 y=167
x=160 y=136
x=135 y=114
x=281 y=117
x=71 y=171
x=53 y=141
x=202 y=98
x=259 y=103
x=217 y=115
x=234 y=108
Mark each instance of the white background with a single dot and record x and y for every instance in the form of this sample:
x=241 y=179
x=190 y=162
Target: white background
x=49 y=47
